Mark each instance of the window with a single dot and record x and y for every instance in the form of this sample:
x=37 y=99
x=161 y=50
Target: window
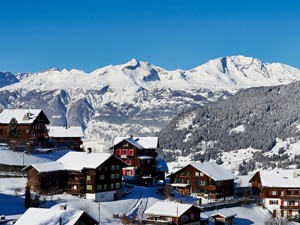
x=188 y=181
x=89 y=187
x=282 y=193
x=112 y=176
x=99 y=187
x=188 y=173
x=112 y=186
x=198 y=182
x=117 y=176
x=102 y=177
x=169 y=218
x=273 y=202
x=182 y=173
x=274 y=193
x=130 y=151
x=112 y=167
x=118 y=185
x=117 y=167
x=201 y=174
x=179 y=180
x=197 y=174
x=290 y=203
x=88 y=177
x=104 y=186
x=198 y=190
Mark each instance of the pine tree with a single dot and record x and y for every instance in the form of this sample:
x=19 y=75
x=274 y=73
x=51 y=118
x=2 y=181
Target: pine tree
x=27 y=197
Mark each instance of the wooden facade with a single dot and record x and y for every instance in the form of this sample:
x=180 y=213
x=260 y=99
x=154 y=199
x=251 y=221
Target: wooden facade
x=106 y=177
x=280 y=201
x=141 y=163
x=31 y=132
x=191 y=180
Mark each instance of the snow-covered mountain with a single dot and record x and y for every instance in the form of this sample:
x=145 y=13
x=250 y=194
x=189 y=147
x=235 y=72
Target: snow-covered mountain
x=136 y=97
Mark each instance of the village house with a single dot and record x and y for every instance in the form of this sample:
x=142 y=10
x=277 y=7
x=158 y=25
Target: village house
x=169 y=213
x=279 y=191
x=97 y=176
x=224 y=217
x=140 y=154
x=31 y=126
x=42 y=216
x=206 y=179
x=59 y=136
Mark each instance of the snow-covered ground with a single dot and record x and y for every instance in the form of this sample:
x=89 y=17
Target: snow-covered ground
x=134 y=204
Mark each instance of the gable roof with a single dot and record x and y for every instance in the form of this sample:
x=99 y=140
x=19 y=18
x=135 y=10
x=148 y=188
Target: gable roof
x=214 y=171
x=23 y=116
x=41 y=216
x=76 y=161
x=169 y=209
x=225 y=213
x=279 y=178
x=60 y=132
x=139 y=142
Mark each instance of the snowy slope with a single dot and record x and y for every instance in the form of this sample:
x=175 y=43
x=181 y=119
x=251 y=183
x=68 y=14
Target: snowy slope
x=123 y=99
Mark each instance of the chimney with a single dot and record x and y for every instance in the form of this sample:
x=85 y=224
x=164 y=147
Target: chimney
x=131 y=136
x=63 y=207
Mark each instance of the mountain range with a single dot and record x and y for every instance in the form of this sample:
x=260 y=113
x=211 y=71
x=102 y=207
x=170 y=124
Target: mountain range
x=136 y=97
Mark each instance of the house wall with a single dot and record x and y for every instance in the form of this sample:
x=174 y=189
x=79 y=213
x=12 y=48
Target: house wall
x=101 y=196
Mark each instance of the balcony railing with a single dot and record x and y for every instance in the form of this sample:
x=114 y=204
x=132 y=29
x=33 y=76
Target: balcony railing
x=297 y=207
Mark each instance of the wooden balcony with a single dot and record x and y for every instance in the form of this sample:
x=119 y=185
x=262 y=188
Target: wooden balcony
x=290 y=197
x=295 y=207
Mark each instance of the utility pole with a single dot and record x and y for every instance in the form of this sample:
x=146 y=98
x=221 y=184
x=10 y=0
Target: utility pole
x=99 y=211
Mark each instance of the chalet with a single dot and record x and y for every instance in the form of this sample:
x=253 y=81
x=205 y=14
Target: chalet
x=242 y=187
x=65 y=136
x=207 y=179
x=42 y=216
x=279 y=191
x=169 y=213
x=31 y=126
x=97 y=176
x=224 y=217
x=140 y=154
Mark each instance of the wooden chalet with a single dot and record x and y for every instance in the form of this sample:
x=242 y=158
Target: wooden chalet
x=168 y=213
x=140 y=155
x=207 y=179
x=65 y=136
x=98 y=176
x=279 y=191
x=224 y=217
x=42 y=216
x=31 y=126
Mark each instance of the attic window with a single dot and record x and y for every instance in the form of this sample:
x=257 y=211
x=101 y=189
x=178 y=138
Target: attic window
x=125 y=144
x=285 y=177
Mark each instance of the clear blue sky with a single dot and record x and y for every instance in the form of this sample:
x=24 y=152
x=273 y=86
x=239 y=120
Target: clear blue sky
x=36 y=35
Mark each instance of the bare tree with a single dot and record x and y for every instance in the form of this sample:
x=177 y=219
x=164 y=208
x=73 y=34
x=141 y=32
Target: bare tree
x=276 y=221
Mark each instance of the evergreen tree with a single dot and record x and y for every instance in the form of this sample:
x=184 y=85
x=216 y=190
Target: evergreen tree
x=27 y=197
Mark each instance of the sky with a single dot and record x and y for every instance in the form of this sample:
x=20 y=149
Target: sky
x=173 y=34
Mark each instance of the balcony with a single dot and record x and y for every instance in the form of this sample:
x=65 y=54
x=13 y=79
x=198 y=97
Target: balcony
x=297 y=207
x=157 y=222
x=290 y=197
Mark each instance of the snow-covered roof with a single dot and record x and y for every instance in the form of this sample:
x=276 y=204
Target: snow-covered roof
x=162 y=165
x=23 y=116
x=168 y=209
x=214 y=171
x=280 y=178
x=225 y=213
x=139 y=142
x=243 y=181
x=60 y=132
x=41 y=216
x=47 y=167
x=79 y=160
x=145 y=157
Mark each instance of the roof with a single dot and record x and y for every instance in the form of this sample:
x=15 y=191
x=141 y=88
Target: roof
x=214 y=171
x=139 y=142
x=80 y=160
x=23 y=116
x=280 y=178
x=47 y=167
x=76 y=161
x=49 y=216
x=59 y=132
x=162 y=165
x=225 y=213
x=169 y=209
x=243 y=181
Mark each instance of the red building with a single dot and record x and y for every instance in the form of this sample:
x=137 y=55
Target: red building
x=140 y=155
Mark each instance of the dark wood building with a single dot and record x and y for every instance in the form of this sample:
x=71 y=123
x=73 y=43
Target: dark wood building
x=206 y=179
x=31 y=126
x=224 y=217
x=140 y=155
x=65 y=136
x=168 y=213
x=278 y=191
x=98 y=176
